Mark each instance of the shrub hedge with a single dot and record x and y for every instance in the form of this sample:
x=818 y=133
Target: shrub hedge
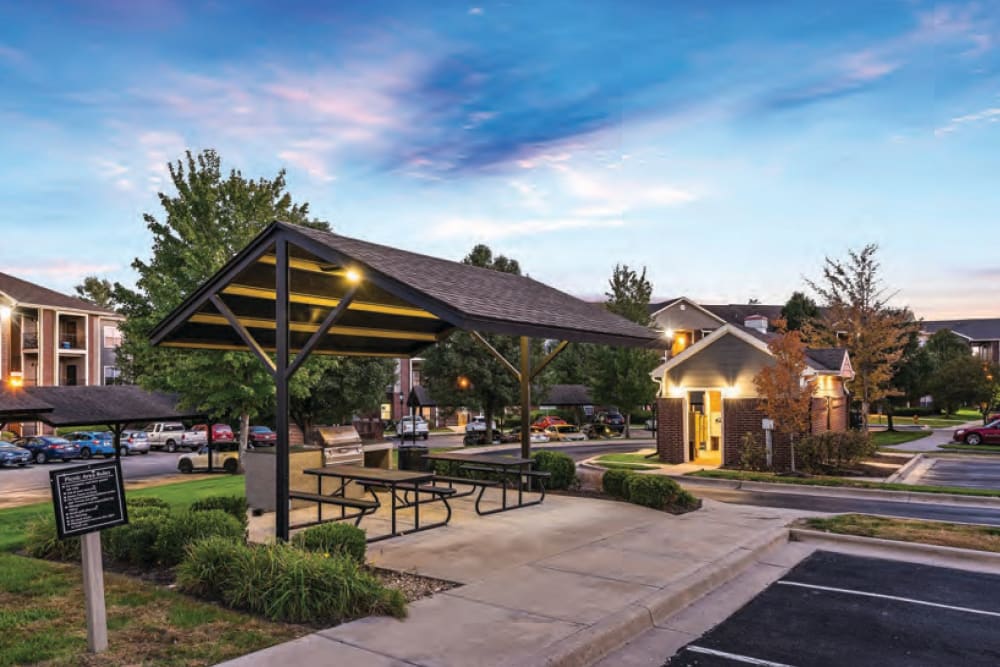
x=182 y=528
x=817 y=453
x=146 y=501
x=43 y=541
x=333 y=539
x=284 y=583
x=135 y=542
x=654 y=491
x=235 y=506
x=615 y=483
x=559 y=465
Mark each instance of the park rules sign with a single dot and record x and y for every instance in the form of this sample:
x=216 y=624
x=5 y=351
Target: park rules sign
x=88 y=498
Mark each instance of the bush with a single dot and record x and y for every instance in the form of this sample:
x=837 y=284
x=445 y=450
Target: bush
x=178 y=530
x=654 y=491
x=918 y=411
x=42 y=541
x=135 y=542
x=146 y=501
x=333 y=538
x=235 y=506
x=820 y=452
x=615 y=483
x=284 y=583
x=753 y=453
x=559 y=465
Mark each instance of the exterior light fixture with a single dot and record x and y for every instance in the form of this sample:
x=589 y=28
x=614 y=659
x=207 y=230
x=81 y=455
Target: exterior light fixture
x=729 y=392
x=668 y=334
x=353 y=276
x=676 y=390
x=5 y=312
x=463 y=382
x=16 y=379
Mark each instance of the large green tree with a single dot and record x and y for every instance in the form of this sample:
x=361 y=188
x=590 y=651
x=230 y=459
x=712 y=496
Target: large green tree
x=799 y=309
x=208 y=218
x=98 y=291
x=620 y=375
x=332 y=391
x=959 y=381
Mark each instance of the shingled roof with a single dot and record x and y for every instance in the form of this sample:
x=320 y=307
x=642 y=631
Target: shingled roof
x=85 y=404
x=22 y=292
x=567 y=394
x=977 y=329
x=404 y=302
x=19 y=403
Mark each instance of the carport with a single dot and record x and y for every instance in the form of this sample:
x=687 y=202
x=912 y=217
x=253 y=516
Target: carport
x=115 y=406
x=304 y=291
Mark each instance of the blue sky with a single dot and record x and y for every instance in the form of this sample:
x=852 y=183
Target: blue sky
x=726 y=146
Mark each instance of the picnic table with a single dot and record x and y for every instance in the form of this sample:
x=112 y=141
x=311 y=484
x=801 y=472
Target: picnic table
x=502 y=467
x=370 y=479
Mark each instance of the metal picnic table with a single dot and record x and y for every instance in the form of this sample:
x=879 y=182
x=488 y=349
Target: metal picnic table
x=370 y=479
x=502 y=466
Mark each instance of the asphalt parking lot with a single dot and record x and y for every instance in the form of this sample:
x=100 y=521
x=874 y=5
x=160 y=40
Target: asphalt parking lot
x=836 y=609
x=978 y=473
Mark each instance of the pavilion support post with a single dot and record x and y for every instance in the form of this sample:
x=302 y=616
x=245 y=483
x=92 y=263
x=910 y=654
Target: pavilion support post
x=525 y=381
x=281 y=525
x=209 y=444
x=116 y=432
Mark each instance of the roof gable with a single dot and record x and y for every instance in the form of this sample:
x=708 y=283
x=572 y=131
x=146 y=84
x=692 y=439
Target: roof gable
x=23 y=292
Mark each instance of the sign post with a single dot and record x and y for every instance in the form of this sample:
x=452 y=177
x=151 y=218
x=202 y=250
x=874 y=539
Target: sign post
x=87 y=499
x=768 y=426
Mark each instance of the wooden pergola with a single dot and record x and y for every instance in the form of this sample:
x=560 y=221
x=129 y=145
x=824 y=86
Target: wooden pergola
x=296 y=290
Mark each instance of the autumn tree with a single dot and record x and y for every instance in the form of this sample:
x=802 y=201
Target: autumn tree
x=786 y=396
x=857 y=316
x=620 y=375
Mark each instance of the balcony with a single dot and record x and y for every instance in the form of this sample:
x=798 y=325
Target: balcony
x=70 y=342
x=29 y=341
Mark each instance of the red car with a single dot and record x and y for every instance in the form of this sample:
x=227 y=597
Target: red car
x=980 y=435
x=220 y=432
x=547 y=421
x=262 y=436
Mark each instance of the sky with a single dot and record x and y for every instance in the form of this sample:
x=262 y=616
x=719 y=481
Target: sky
x=726 y=146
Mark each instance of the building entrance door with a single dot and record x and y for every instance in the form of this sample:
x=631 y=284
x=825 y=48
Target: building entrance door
x=705 y=427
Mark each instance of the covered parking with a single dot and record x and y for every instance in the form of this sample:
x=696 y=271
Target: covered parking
x=300 y=291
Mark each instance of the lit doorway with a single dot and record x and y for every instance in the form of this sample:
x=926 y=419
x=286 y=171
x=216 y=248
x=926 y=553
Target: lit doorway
x=704 y=427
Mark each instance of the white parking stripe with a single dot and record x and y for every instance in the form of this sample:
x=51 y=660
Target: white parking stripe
x=925 y=603
x=745 y=659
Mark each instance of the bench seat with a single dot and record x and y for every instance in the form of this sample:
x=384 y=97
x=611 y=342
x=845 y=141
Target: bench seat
x=355 y=503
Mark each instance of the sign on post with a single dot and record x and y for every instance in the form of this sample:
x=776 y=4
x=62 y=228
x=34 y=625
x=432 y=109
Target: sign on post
x=87 y=500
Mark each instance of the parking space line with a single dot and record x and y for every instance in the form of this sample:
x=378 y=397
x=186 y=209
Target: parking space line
x=736 y=657
x=896 y=598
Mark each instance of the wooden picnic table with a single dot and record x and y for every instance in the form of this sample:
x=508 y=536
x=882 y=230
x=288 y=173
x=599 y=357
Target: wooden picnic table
x=503 y=467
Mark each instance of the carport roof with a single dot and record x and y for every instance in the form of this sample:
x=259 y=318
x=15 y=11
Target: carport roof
x=84 y=405
x=402 y=301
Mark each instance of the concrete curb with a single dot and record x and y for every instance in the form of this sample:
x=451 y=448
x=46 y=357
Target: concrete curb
x=593 y=642
x=990 y=502
x=987 y=559
x=905 y=469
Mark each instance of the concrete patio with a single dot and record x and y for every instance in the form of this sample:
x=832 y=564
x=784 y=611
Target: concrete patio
x=559 y=583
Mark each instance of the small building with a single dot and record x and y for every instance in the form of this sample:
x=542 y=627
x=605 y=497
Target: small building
x=708 y=401
x=982 y=335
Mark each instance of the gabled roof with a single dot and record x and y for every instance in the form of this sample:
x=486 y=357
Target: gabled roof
x=655 y=309
x=404 y=301
x=20 y=403
x=567 y=394
x=85 y=404
x=22 y=292
x=971 y=329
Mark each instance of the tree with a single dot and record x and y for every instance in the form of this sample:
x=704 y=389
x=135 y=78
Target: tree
x=621 y=375
x=207 y=220
x=336 y=388
x=960 y=380
x=798 y=310
x=857 y=316
x=460 y=371
x=943 y=346
x=98 y=291
x=988 y=390
x=786 y=397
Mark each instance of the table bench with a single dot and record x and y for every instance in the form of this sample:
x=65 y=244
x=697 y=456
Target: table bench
x=363 y=507
x=504 y=467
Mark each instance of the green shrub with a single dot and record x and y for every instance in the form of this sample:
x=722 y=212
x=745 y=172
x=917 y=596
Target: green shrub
x=180 y=529
x=615 y=483
x=42 y=541
x=753 y=453
x=135 y=542
x=146 y=501
x=559 y=465
x=333 y=538
x=284 y=583
x=823 y=451
x=918 y=411
x=654 y=491
x=235 y=506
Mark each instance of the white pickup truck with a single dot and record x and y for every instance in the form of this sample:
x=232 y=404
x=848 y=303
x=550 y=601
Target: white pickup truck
x=170 y=436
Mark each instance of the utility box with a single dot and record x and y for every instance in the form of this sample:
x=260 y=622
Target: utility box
x=260 y=466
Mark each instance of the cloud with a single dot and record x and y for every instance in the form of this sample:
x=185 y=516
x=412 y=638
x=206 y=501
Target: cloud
x=486 y=229
x=990 y=115
x=60 y=270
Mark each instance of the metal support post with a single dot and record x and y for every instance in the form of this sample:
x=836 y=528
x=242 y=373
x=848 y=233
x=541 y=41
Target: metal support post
x=281 y=524
x=525 y=379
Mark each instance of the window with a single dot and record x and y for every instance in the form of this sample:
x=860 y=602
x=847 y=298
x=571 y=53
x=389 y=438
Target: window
x=112 y=336
x=112 y=375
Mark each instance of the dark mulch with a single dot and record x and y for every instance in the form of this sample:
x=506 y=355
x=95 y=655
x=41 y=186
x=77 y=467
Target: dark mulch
x=413 y=586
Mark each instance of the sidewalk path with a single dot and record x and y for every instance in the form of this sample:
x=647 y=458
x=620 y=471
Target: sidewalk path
x=544 y=581
x=936 y=438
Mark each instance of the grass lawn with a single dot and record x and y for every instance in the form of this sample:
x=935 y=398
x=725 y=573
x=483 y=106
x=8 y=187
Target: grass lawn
x=630 y=461
x=848 y=482
x=42 y=621
x=13 y=521
x=983 y=538
x=971 y=449
x=885 y=438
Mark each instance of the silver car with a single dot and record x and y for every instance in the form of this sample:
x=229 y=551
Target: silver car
x=134 y=442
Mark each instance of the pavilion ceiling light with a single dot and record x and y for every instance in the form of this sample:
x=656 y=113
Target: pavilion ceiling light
x=353 y=276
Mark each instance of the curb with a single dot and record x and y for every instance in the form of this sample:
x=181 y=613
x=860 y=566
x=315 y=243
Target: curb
x=593 y=642
x=989 y=502
x=987 y=559
x=905 y=469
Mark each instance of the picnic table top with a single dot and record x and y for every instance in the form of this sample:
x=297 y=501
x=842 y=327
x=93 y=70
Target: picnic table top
x=370 y=474
x=487 y=459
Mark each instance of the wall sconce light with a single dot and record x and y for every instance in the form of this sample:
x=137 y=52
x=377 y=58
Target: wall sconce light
x=16 y=379
x=729 y=392
x=5 y=312
x=676 y=390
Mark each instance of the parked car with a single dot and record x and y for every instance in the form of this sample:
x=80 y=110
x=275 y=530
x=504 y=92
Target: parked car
x=11 y=455
x=538 y=436
x=405 y=428
x=134 y=442
x=198 y=435
x=262 y=436
x=225 y=456
x=478 y=425
x=565 y=432
x=45 y=448
x=93 y=443
x=612 y=420
x=979 y=435
x=165 y=435
x=650 y=425
x=548 y=420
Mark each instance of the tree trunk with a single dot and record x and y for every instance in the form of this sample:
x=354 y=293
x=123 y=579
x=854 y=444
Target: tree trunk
x=488 y=433
x=888 y=416
x=244 y=438
x=628 y=424
x=865 y=407
x=791 y=447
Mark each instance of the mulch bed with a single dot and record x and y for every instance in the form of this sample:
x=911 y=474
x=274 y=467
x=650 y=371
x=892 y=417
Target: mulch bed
x=413 y=586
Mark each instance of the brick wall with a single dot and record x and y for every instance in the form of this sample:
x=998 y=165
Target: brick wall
x=829 y=414
x=670 y=429
x=744 y=415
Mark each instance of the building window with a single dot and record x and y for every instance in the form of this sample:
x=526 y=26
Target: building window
x=112 y=375
x=112 y=336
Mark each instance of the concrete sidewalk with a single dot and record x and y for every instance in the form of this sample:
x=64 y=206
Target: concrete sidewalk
x=561 y=583
x=935 y=438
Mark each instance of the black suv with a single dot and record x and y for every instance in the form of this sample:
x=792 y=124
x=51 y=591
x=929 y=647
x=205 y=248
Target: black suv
x=612 y=421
